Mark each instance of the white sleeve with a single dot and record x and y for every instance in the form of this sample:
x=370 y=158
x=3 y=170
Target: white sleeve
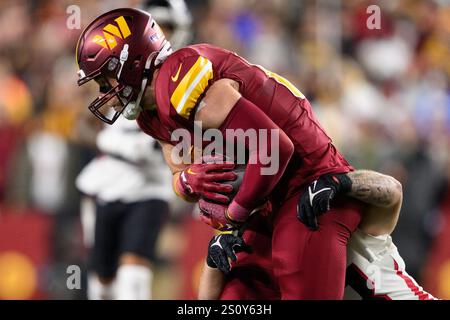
x=128 y=142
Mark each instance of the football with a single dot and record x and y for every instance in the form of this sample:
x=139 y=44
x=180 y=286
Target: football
x=239 y=170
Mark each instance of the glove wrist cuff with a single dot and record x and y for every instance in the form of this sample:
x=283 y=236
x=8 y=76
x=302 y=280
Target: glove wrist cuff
x=345 y=183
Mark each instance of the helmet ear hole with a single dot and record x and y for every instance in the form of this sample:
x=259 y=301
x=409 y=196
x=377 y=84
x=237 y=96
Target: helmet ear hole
x=136 y=63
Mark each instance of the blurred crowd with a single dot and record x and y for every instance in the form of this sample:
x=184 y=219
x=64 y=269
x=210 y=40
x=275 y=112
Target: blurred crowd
x=382 y=94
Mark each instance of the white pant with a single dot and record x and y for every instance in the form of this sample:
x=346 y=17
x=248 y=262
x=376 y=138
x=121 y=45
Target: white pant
x=375 y=270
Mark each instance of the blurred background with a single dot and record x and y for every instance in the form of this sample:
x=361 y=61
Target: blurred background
x=382 y=94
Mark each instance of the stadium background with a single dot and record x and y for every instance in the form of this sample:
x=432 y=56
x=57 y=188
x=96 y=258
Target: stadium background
x=383 y=95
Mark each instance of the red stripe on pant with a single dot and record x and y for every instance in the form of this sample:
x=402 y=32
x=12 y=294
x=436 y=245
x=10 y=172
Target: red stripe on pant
x=410 y=283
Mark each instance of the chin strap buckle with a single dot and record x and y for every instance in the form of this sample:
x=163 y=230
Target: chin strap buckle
x=123 y=58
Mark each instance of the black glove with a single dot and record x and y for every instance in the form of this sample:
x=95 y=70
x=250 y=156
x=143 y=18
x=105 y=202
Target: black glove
x=317 y=197
x=222 y=247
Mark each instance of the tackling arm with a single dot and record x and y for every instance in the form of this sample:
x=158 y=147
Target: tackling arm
x=381 y=193
x=384 y=196
x=212 y=281
x=375 y=188
x=371 y=248
x=221 y=249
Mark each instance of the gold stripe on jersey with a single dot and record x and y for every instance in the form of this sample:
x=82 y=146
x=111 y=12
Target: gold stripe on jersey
x=283 y=81
x=286 y=83
x=193 y=84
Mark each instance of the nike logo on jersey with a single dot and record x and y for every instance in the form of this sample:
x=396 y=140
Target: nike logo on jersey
x=313 y=194
x=175 y=78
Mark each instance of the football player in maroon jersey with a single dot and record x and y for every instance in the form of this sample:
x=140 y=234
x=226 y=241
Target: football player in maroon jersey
x=126 y=53
x=375 y=269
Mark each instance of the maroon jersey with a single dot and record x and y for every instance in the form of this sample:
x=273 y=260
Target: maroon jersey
x=185 y=77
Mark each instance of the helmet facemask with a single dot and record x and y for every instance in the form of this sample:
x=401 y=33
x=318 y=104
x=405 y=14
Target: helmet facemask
x=129 y=98
x=113 y=93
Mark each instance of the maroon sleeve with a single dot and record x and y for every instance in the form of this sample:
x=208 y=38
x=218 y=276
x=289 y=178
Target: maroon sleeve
x=257 y=184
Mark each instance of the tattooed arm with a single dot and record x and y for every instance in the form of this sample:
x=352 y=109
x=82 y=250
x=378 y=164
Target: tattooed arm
x=375 y=188
x=383 y=194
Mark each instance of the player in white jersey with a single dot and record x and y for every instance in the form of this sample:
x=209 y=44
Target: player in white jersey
x=375 y=269
x=128 y=190
x=130 y=184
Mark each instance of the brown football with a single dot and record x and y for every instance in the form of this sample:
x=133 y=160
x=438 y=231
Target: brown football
x=239 y=170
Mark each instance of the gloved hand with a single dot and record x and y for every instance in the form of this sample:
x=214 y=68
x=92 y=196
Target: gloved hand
x=219 y=216
x=207 y=180
x=214 y=214
x=223 y=247
x=318 y=195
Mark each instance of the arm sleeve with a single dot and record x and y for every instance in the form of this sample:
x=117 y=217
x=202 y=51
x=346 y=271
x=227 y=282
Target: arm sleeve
x=259 y=180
